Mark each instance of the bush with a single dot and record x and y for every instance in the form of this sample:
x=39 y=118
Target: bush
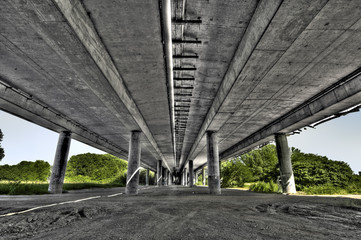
x=324 y=189
x=354 y=186
x=121 y=180
x=97 y=167
x=266 y=187
x=313 y=170
x=142 y=177
x=26 y=171
x=263 y=163
x=234 y=173
x=17 y=188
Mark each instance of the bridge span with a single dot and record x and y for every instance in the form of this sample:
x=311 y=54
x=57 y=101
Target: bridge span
x=175 y=85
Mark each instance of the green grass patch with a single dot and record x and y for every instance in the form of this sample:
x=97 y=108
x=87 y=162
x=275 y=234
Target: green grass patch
x=31 y=188
x=265 y=187
x=329 y=189
x=20 y=188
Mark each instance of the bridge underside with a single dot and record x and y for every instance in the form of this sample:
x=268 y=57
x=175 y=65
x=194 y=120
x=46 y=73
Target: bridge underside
x=244 y=69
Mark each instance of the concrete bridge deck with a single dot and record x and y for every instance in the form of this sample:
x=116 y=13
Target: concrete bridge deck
x=178 y=212
x=177 y=69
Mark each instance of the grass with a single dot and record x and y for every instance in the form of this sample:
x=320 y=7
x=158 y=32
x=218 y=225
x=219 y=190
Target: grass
x=31 y=188
x=265 y=187
x=329 y=189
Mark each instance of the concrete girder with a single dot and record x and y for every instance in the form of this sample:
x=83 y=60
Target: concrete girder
x=259 y=23
x=342 y=95
x=78 y=19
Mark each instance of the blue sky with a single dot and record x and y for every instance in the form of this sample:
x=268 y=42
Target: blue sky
x=338 y=139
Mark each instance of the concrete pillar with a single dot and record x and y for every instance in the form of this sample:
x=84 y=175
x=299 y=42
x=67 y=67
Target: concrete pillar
x=195 y=178
x=214 y=183
x=204 y=176
x=147 y=178
x=59 y=166
x=185 y=183
x=155 y=179
x=159 y=173
x=190 y=165
x=133 y=163
x=164 y=175
x=284 y=160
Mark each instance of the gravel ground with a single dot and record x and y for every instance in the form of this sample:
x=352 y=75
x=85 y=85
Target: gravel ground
x=177 y=212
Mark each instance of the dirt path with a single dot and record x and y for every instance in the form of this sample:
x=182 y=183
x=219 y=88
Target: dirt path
x=184 y=213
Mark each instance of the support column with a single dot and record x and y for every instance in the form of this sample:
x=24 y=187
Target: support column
x=195 y=178
x=284 y=160
x=190 y=165
x=185 y=177
x=147 y=178
x=59 y=166
x=204 y=176
x=159 y=173
x=133 y=164
x=164 y=175
x=214 y=183
x=155 y=179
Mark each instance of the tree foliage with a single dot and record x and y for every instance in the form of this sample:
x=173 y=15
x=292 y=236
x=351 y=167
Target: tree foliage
x=235 y=173
x=96 y=166
x=311 y=169
x=26 y=171
x=2 y=152
x=263 y=163
x=142 y=177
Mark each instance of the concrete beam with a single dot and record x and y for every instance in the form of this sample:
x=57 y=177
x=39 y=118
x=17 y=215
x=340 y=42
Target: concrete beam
x=133 y=163
x=344 y=94
x=30 y=109
x=82 y=25
x=284 y=159
x=60 y=161
x=214 y=181
x=258 y=25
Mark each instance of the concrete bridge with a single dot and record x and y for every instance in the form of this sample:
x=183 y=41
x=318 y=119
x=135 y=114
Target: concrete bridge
x=176 y=85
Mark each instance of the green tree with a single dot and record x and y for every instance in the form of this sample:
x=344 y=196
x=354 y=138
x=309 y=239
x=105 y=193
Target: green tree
x=142 y=177
x=26 y=171
x=263 y=163
x=234 y=173
x=311 y=170
x=96 y=166
x=2 y=152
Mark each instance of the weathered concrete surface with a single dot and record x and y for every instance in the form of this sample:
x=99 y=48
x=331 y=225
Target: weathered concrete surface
x=165 y=213
x=191 y=173
x=60 y=162
x=159 y=173
x=285 y=164
x=147 y=177
x=133 y=163
x=99 y=69
x=214 y=178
